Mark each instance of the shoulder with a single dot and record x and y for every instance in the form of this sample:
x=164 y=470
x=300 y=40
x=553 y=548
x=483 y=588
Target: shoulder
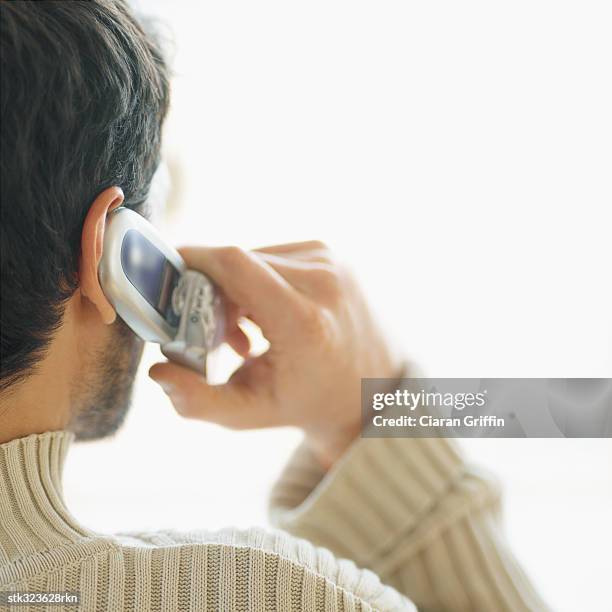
x=230 y=569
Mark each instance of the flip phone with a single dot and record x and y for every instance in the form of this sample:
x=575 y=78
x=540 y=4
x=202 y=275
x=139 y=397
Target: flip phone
x=147 y=282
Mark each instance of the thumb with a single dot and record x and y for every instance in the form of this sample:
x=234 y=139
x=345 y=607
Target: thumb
x=230 y=404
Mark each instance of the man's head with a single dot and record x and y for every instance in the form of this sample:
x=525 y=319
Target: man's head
x=83 y=96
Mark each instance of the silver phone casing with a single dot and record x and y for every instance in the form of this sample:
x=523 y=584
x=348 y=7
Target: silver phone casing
x=195 y=299
x=201 y=321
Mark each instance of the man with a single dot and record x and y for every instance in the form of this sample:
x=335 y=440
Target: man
x=83 y=98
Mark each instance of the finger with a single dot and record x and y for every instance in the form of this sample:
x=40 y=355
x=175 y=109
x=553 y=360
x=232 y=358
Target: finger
x=249 y=282
x=289 y=263
x=306 y=276
x=232 y=405
x=233 y=335
x=313 y=279
x=292 y=247
x=301 y=251
x=233 y=313
x=238 y=340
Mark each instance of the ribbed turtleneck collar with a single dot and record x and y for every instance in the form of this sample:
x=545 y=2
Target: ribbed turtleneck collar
x=33 y=515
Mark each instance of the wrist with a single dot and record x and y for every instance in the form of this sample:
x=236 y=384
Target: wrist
x=328 y=447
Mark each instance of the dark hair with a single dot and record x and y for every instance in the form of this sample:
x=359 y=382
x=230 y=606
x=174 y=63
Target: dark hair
x=83 y=96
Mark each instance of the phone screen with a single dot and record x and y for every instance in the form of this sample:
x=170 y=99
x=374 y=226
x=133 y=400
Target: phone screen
x=151 y=273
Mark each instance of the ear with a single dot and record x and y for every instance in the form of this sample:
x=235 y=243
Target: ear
x=92 y=241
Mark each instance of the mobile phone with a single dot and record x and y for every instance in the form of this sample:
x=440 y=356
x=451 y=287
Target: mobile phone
x=147 y=282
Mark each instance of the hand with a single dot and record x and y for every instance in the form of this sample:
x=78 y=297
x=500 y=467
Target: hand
x=322 y=338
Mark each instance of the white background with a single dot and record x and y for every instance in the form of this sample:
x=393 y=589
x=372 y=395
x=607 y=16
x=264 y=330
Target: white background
x=459 y=157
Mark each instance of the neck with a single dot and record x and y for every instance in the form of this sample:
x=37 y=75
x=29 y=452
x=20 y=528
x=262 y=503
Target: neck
x=20 y=417
x=42 y=401
x=31 y=505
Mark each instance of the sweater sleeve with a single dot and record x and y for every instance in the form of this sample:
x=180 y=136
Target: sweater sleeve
x=415 y=514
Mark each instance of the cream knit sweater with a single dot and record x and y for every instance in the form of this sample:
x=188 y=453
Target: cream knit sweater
x=408 y=510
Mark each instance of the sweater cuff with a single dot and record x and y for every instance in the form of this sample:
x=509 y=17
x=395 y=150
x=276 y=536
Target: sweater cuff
x=379 y=490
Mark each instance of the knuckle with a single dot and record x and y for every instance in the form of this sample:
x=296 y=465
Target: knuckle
x=330 y=278
x=231 y=256
x=330 y=283
x=313 y=322
x=323 y=252
x=318 y=245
